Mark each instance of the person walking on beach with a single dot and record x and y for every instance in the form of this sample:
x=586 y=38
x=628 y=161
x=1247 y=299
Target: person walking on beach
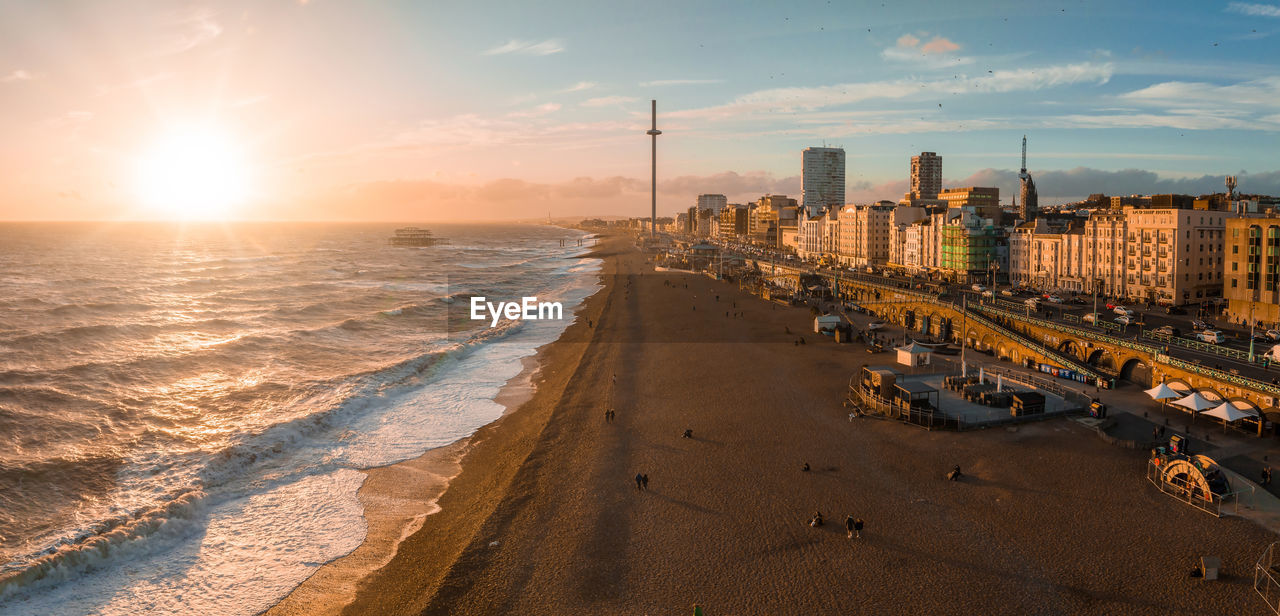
x=848 y=525
x=639 y=481
x=644 y=481
x=857 y=528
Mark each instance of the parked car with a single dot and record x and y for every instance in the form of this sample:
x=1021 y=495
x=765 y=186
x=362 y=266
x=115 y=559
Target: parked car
x=979 y=288
x=1121 y=310
x=1111 y=305
x=1033 y=303
x=1054 y=299
x=1199 y=325
x=1273 y=334
x=988 y=293
x=1212 y=336
x=1092 y=317
x=1166 y=330
x=1079 y=301
x=1007 y=293
x=1174 y=310
x=1123 y=319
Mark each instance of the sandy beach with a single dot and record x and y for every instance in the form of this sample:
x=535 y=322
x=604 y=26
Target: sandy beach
x=543 y=515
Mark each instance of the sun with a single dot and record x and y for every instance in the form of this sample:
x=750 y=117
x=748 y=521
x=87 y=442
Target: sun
x=193 y=174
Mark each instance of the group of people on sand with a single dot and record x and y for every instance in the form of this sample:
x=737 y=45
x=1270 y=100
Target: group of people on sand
x=851 y=524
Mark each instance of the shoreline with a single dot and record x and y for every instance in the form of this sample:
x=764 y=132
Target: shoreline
x=398 y=498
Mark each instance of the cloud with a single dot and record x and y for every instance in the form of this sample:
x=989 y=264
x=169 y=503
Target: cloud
x=1263 y=92
x=540 y=110
x=513 y=198
x=527 y=48
x=581 y=85
x=939 y=45
x=678 y=82
x=809 y=98
x=17 y=75
x=1256 y=10
x=188 y=29
x=605 y=101
x=937 y=53
x=1079 y=182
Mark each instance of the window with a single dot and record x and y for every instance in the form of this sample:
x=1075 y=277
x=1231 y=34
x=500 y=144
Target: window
x=1233 y=283
x=1235 y=250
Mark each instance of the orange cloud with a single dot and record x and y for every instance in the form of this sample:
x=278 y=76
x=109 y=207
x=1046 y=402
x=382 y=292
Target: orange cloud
x=939 y=45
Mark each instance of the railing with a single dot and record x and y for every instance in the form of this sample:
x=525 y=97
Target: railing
x=1222 y=375
x=1037 y=347
x=1196 y=345
x=1088 y=335
x=1028 y=380
x=929 y=419
x=1264 y=578
x=1191 y=494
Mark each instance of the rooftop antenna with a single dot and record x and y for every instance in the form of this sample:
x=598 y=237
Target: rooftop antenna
x=653 y=186
x=1231 y=186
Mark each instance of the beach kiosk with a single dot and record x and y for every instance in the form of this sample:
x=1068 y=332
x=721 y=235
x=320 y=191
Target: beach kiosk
x=914 y=354
x=914 y=396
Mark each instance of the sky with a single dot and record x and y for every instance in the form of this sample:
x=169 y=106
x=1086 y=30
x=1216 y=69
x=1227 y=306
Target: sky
x=422 y=111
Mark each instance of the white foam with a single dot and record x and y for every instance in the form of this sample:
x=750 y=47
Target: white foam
x=255 y=542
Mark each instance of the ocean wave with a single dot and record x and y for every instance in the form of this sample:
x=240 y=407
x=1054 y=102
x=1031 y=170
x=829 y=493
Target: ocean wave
x=112 y=538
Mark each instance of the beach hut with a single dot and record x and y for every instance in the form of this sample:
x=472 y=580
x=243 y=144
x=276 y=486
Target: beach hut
x=914 y=354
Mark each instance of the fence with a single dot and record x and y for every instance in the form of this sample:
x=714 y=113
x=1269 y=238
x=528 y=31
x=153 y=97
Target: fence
x=1192 y=495
x=1196 y=345
x=1071 y=396
x=1075 y=331
x=1222 y=375
x=1264 y=578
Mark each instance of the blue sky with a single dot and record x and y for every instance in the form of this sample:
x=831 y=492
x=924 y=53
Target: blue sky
x=515 y=109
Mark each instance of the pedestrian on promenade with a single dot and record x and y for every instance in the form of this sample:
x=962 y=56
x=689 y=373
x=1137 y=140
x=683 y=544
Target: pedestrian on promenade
x=857 y=528
x=639 y=481
x=1266 y=475
x=644 y=481
x=848 y=525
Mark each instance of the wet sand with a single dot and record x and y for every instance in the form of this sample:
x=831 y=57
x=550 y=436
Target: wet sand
x=544 y=517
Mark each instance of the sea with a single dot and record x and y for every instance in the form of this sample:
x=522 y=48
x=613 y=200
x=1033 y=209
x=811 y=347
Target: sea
x=186 y=410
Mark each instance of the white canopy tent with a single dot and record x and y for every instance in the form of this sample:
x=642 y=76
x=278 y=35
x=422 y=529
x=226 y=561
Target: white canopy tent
x=1163 y=392
x=1228 y=412
x=1195 y=402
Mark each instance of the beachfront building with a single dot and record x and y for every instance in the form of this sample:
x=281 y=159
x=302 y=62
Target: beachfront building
x=712 y=202
x=707 y=220
x=818 y=236
x=926 y=176
x=821 y=180
x=1158 y=255
x=903 y=217
x=968 y=246
x=733 y=221
x=1174 y=256
x=984 y=201
x=1252 y=288
x=864 y=234
x=768 y=215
